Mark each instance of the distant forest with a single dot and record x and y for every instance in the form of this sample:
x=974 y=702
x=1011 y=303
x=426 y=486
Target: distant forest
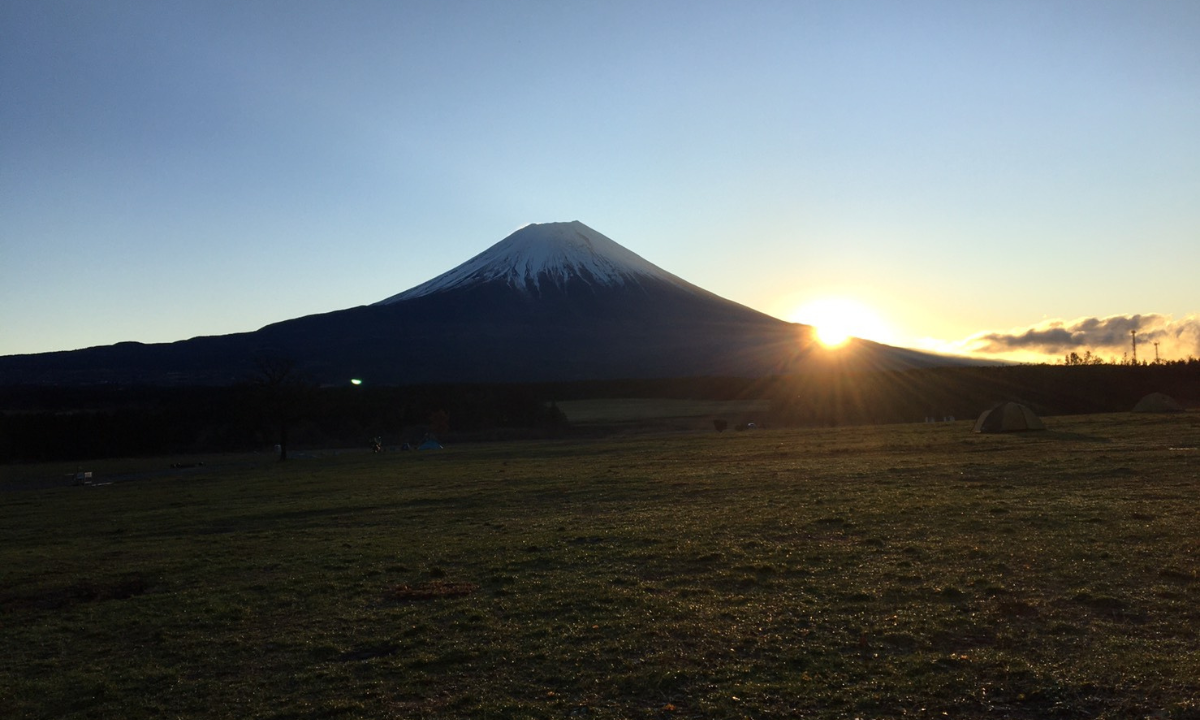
x=78 y=423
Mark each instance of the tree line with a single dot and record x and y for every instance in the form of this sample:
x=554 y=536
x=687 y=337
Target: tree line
x=275 y=408
x=964 y=392
x=39 y=424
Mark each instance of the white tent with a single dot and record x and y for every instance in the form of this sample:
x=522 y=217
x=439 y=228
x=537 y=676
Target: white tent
x=1008 y=417
x=1157 y=403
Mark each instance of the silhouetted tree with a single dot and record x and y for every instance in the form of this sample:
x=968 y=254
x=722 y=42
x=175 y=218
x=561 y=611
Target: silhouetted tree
x=283 y=393
x=439 y=423
x=1087 y=358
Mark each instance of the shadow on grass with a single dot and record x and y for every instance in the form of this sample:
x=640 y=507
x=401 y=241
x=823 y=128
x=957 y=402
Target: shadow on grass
x=82 y=591
x=1077 y=437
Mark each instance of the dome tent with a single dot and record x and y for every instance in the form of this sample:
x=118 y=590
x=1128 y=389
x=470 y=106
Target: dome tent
x=1157 y=403
x=429 y=442
x=1008 y=417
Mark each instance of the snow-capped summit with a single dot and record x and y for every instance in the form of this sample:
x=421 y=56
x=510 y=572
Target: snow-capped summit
x=548 y=254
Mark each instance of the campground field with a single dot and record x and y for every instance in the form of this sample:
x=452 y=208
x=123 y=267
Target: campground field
x=643 y=414
x=874 y=572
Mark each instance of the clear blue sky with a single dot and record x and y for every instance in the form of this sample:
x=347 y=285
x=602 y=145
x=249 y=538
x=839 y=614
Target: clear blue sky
x=173 y=169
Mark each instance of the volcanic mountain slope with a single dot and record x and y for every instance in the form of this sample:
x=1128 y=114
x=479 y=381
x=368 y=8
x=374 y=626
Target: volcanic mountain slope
x=551 y=302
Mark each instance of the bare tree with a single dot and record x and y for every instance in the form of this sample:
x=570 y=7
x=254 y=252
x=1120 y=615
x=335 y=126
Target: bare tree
x=283 y=394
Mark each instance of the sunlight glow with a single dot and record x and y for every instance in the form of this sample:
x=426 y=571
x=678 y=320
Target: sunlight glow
x=837 y=319
x=832 y=335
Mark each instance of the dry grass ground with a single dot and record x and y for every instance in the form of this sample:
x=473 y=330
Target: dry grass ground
x=875 y=572
x=618 y=410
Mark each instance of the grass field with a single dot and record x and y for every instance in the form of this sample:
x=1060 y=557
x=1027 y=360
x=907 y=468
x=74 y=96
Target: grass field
x=664 y=411
x=874 y=572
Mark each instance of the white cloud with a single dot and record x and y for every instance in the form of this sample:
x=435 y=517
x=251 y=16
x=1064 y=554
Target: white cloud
x=1106 y=337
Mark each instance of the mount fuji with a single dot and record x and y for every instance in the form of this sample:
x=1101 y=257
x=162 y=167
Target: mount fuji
x=550 y=302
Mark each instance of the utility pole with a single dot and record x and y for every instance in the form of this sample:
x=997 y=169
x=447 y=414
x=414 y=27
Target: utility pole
x=1155 y=352
x=1133 y=334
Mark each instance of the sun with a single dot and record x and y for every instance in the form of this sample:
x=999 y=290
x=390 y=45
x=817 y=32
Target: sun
x=837 y=319
x=832 y=335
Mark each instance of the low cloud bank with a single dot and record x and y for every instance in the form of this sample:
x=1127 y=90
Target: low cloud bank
x=1177 y=339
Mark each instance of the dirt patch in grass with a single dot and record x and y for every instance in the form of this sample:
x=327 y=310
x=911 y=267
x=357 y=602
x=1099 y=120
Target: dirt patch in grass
x=431 y=590
x=369 y=652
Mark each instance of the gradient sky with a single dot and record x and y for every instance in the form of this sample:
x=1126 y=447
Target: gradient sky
x=173 y=169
